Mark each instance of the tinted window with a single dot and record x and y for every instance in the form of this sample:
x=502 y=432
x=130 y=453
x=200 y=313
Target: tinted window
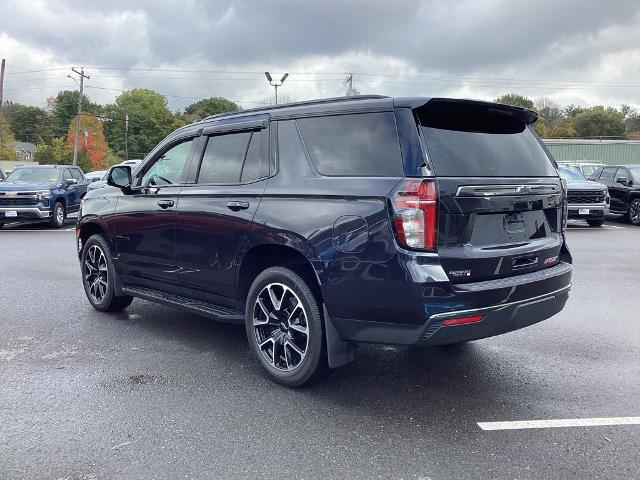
x=608 y=173
x=290 y=148
x=223 y=157
x=167 y=169
x=363 y=144
x=620 y=174
x=77 y=175
x=588 y=169
x=67 y=175
x=476 y=143
x=256 y=164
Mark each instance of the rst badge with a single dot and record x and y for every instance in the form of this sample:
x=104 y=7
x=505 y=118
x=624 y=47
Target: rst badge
x=550 y=260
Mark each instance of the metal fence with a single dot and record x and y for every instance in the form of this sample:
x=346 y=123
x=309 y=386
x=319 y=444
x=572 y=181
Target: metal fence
x=610 y=152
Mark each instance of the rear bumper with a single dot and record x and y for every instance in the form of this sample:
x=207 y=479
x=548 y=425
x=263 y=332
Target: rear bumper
x=505 y=305
x=597 y=210
x=24 y=212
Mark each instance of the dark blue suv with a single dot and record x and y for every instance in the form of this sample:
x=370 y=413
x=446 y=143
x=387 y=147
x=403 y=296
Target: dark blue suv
x=324 y=224
x=44 y=192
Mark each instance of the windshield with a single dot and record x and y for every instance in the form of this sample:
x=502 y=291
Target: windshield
x=589 y=170
x=34 y=175
x=635 y=173
x=571 y=175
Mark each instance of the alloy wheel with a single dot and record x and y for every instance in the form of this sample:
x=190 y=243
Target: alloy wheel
x=60 y=215
x=95 y=273
x=634 y=212
x=280 y=327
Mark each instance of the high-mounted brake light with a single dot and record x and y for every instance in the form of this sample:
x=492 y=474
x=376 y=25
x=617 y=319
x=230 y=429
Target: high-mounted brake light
x=415 y=213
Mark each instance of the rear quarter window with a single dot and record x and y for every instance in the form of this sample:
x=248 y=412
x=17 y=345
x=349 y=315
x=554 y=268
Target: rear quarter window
x=364 y=144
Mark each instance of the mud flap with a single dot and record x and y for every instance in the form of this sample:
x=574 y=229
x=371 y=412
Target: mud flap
x=339 y=352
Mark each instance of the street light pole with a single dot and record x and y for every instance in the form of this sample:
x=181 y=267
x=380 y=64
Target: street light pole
x=276 y=84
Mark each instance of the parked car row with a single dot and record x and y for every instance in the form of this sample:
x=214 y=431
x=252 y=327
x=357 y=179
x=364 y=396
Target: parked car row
x=623 y=183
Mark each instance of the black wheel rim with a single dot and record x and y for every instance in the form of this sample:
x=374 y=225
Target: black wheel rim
x=280 y=327
x=96 y=275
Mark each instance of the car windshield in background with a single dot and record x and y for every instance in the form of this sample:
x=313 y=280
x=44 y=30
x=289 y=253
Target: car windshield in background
x=571 y=175
x=482 y=144
x=33 y=175
x=589 y=169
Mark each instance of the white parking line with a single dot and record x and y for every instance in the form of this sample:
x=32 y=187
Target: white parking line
x=36 y=231
x=560 y=423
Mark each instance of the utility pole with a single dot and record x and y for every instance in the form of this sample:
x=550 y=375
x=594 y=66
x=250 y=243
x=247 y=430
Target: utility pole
x=126 y=133
x=276 y=84
x=75 y=141
x=1 y=85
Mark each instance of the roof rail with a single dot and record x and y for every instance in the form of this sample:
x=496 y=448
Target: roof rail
x=298 y=104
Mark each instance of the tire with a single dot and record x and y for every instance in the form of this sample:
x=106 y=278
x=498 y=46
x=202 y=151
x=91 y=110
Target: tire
x=280 y=308
x=98 y=276
x=58 y=215
x=595 y=222
x=633 y=214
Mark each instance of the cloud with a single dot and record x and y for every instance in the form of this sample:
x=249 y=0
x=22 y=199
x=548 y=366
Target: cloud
x=578 y=51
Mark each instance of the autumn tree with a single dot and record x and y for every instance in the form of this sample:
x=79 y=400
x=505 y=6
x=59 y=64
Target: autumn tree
x=599 y=121
x=92 y=145
x=57 y=151
x=7 y=151
x=64 y=108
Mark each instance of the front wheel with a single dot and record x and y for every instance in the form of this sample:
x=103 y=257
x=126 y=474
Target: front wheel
x=98 y=276
x=634 y=211
x=285 y=328
x=596 y=222
x=58 y=216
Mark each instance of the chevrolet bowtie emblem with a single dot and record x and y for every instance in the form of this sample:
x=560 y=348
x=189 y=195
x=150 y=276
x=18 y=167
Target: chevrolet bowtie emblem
x=523 y=189
x=11 y=194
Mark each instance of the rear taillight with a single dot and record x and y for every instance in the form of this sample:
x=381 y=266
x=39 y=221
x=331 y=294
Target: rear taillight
x=565 y=205
x=415 y=213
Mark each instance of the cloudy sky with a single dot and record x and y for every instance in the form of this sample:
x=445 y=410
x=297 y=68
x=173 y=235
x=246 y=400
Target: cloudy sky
x=584 y=52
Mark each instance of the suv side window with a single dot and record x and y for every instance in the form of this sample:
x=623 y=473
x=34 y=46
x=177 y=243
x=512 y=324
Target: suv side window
x=67 y=175
x=608 y=173
x=223 y=158
x=77 y=174
x=364 y=144
x=256 y=163
x=622 y=172
x=167 y=168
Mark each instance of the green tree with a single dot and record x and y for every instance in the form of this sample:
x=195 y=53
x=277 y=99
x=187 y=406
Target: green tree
x=55 y=152
x=7 y=151
x=599 y=121
x=516 y=100
x=572 y=110
x=65 y=108
x=208 y=106
x=28 y=123
x=150 y=120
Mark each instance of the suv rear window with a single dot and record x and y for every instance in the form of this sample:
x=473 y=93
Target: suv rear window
x=472 y=141
x=364 y=144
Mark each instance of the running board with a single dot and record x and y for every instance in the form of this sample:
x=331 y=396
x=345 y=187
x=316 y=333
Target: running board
x=216 y=312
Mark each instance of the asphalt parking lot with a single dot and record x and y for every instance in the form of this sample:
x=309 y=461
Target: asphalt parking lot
x=156 y=393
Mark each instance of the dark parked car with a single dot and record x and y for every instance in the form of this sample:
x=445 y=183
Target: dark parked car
x=44 y=192
x=623 y=182
x=587 y=200
x=328 y=223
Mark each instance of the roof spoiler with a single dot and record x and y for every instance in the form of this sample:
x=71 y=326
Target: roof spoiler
x=523 y=114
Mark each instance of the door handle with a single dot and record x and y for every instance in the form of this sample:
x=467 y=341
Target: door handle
x=166 y=203
x=235 y=206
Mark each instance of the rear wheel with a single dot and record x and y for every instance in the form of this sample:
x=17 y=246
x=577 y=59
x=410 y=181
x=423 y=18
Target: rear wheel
x=284 y=328
x=98 y=276
x=58 y=216
x=595 y=222
x=634 y=211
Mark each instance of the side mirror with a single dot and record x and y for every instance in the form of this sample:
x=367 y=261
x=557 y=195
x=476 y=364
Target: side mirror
x=94 y=179
x=120 y=176
x=623 y=180
x=70 y=181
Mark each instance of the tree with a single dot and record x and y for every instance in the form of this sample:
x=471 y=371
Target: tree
x=28 y=123
x=7 y=151
x=516 y=100
x=208 y=106
x=65 y=107
x=91 y=142
x=599 y=121
x=572 y=110
x=57 y=151
x=150 y=120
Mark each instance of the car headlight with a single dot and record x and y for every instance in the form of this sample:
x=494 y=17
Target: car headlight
x=44 y=193
x=607 y=198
